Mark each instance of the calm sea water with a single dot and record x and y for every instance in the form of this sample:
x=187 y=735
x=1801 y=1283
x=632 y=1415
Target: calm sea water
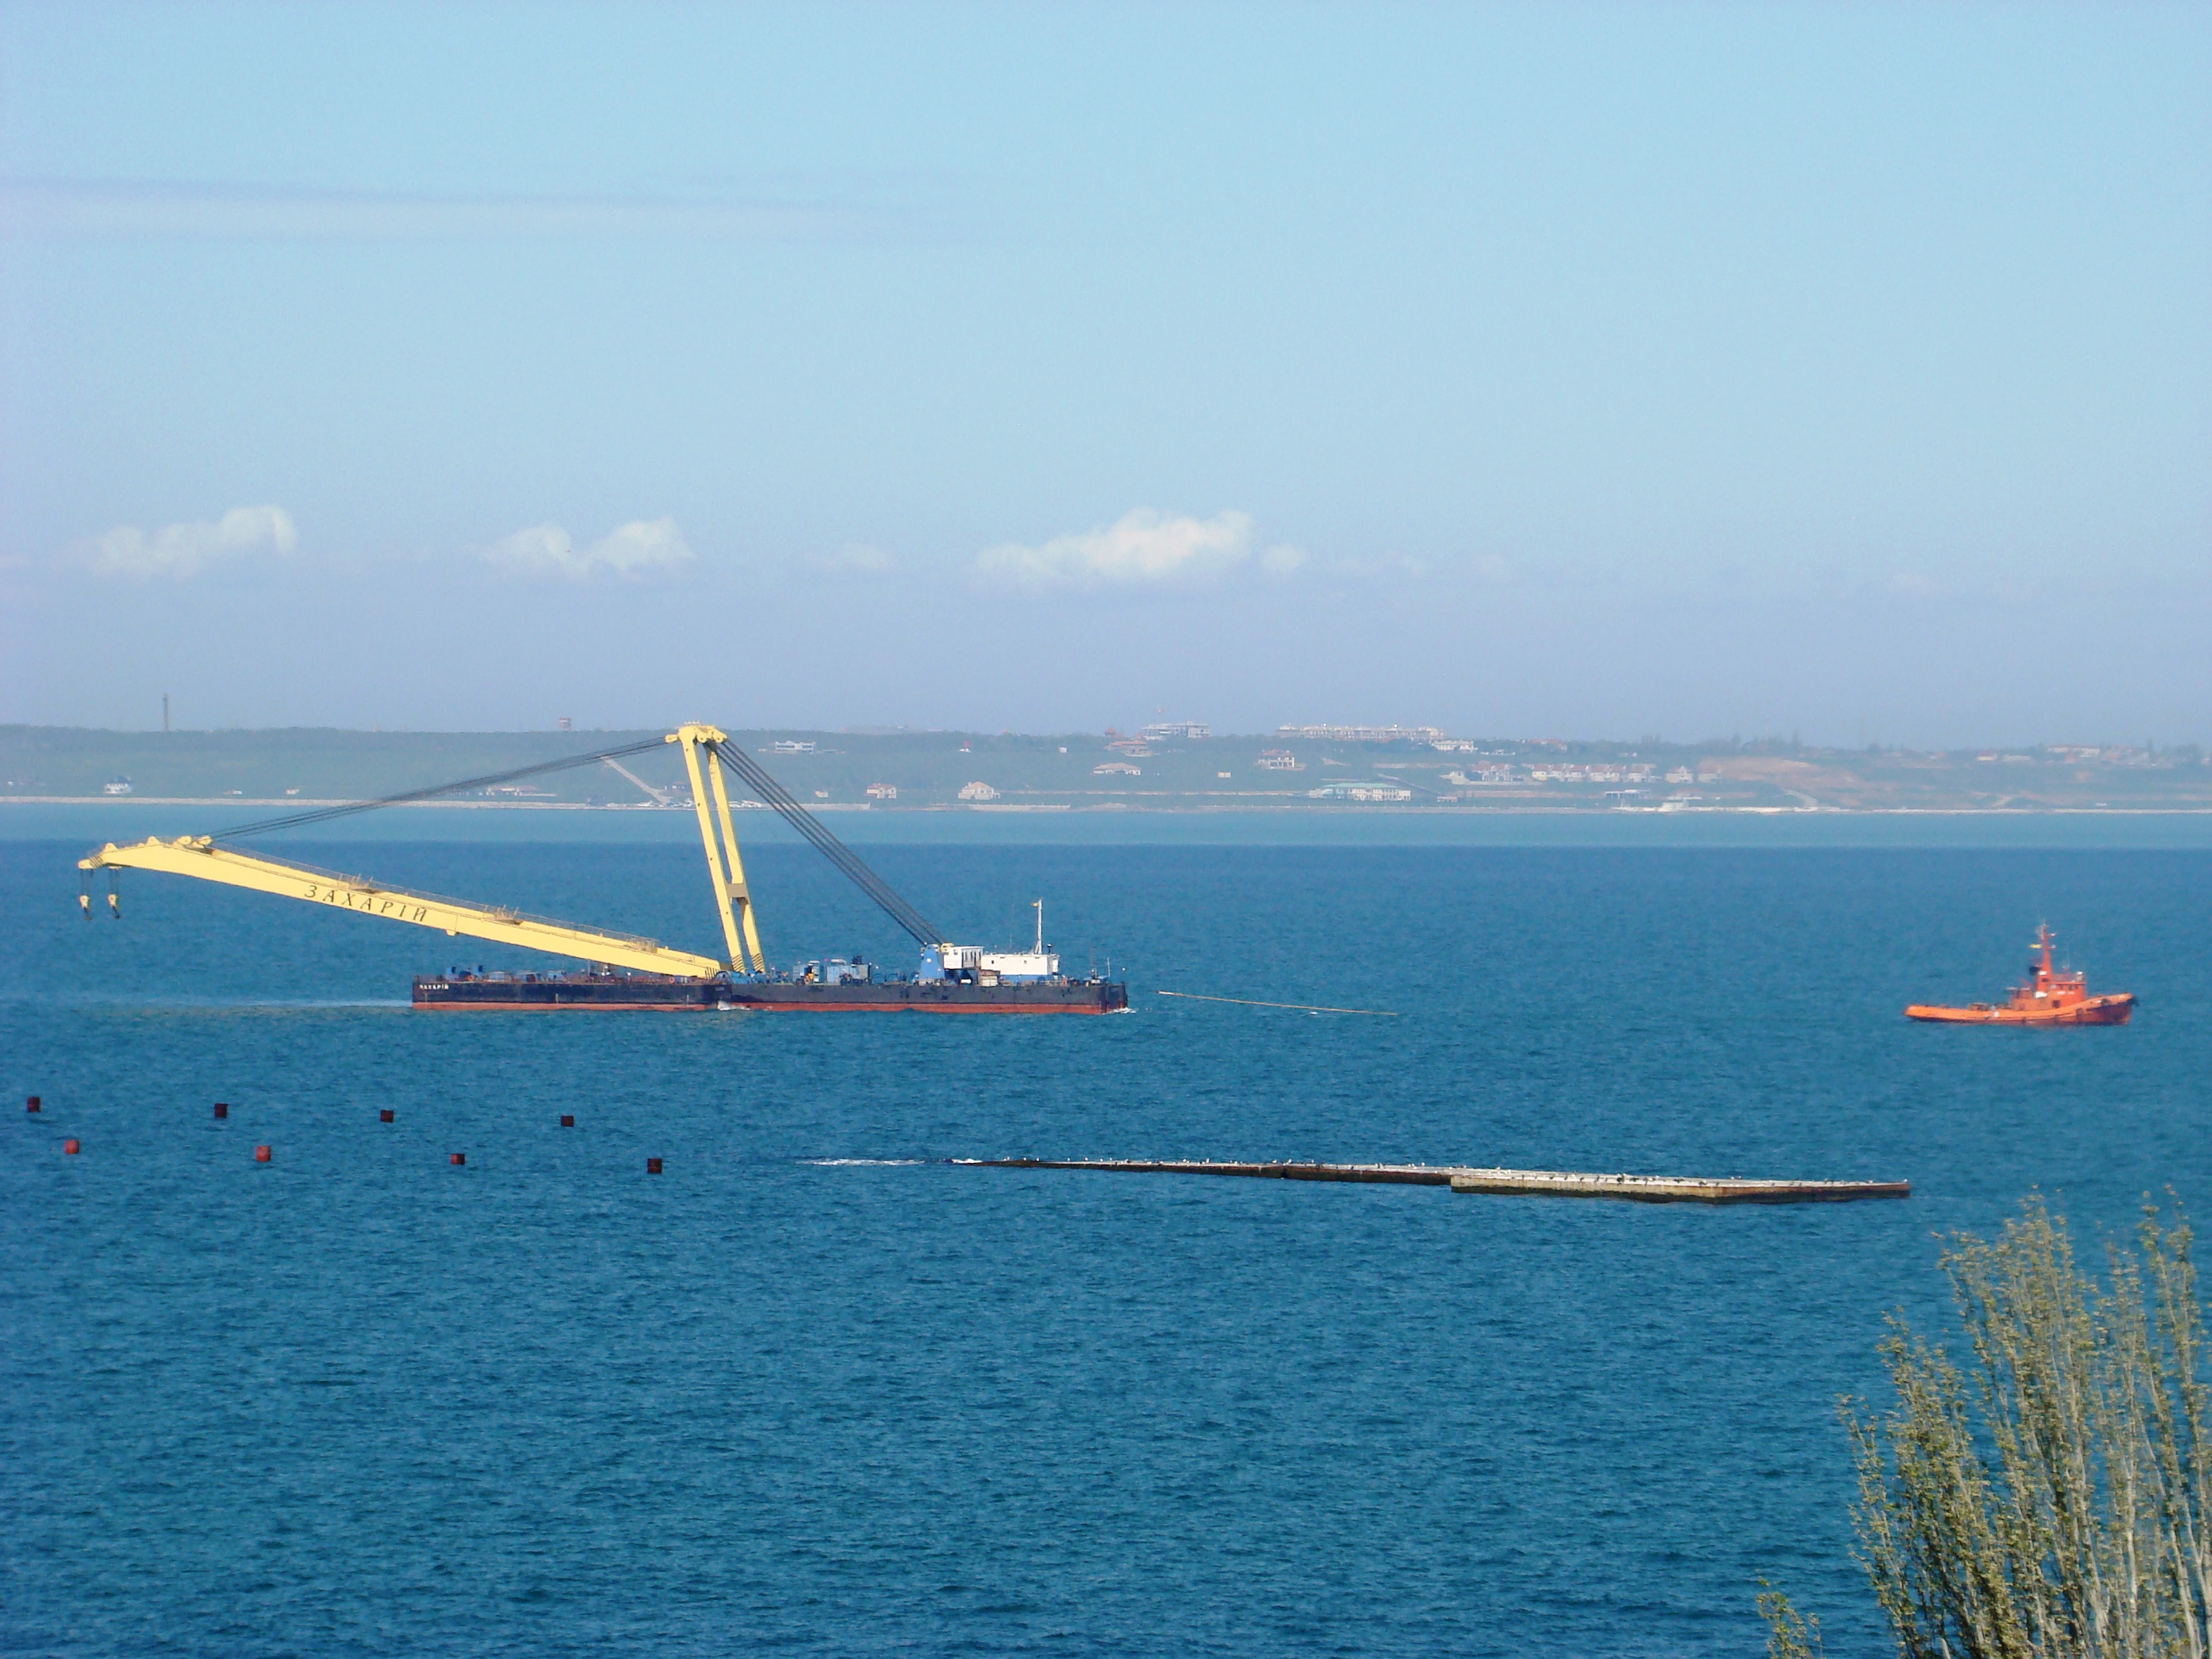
x=814 y=1390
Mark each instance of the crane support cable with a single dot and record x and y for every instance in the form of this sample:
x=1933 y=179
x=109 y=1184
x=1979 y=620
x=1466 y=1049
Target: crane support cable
x=324 y=814
x=787 y=807
x=757 y=778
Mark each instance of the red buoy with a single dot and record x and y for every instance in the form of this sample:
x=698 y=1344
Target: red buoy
x=461 y=1158
x=260 y=1154
x=652 y=1166
x=222 y=1108
x=68 y=1146
x=385 y=1116
x=31 y=1104
x=567 y=1120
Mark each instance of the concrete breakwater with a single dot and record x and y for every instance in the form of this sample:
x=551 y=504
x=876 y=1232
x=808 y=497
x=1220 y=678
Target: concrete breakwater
x=1539 y=1184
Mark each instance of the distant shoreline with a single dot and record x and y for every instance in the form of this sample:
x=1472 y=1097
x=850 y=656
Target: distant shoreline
x=918 y=778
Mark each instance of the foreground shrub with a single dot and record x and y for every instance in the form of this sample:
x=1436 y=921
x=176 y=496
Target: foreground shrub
x=2054 y=1499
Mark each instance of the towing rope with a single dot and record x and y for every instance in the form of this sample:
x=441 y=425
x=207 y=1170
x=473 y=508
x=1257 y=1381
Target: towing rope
x=1295 y=1008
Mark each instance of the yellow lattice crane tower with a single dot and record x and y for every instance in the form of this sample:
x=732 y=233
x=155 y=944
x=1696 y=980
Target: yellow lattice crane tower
x=724 y=867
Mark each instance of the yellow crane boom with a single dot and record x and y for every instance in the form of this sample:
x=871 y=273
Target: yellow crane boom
x=196 y=855
x=199 y=856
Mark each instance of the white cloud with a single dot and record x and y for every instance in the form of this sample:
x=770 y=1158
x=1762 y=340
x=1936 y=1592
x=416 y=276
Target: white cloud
x=640 y=548
x=185 y=549
x=1142 y=549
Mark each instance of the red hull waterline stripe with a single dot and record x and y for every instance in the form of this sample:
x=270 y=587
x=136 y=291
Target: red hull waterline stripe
x=766 y=1008
x=568 y=1007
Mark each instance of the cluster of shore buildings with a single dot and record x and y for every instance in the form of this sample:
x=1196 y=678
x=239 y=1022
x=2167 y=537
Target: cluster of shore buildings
x=1125 y=751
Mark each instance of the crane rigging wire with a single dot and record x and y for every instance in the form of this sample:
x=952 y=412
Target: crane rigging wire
x=751 y=771
x=786 y=806
x=322 y=815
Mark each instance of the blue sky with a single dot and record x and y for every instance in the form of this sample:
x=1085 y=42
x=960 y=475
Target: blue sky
x=1583 y=370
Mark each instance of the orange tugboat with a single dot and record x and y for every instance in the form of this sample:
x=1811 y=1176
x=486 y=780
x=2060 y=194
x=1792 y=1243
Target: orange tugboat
x=2049 y=998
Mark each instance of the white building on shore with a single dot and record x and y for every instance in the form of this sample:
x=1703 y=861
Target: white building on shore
x=1367 y=791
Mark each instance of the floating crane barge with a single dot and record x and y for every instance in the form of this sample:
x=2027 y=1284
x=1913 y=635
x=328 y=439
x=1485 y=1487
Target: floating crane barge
x=623 y=970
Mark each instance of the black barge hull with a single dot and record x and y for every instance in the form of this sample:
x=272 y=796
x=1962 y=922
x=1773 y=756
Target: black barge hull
x=646 y=991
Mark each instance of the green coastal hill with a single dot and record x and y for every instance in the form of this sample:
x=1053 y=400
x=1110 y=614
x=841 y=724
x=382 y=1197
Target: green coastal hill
x=1301 y=771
